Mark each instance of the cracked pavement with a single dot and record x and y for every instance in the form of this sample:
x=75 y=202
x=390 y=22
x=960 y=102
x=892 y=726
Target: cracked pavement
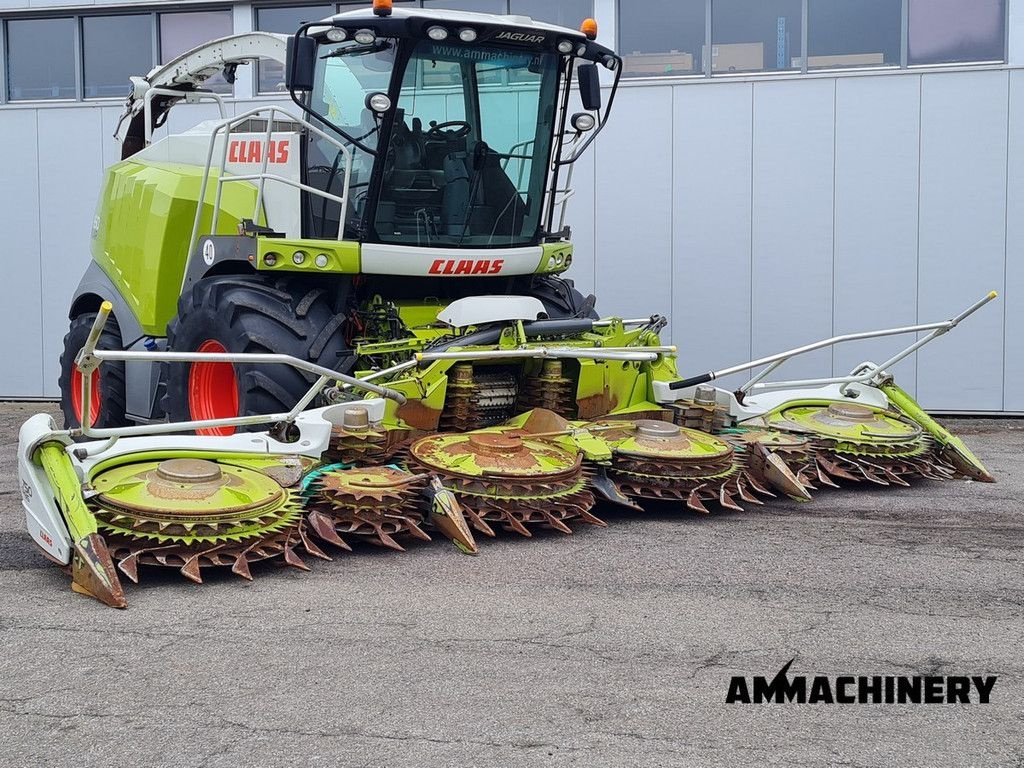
x=606 y=648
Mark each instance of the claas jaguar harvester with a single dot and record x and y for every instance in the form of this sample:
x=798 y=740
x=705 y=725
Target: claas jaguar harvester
x=344 y=320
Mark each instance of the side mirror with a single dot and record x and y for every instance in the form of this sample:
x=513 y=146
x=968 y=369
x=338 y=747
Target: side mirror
x=590 y=86
x=301 y=63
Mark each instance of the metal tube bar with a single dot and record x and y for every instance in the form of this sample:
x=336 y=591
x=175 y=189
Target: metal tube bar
x=385 y=372
x=937 y=329
x=540 y=353
x=247 y=357
x=307 y=398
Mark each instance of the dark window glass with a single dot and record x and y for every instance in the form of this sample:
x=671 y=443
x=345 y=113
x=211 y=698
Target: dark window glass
x=661 y=37
x=41 y=59
x=113 y=49
x=180 y=32
x=285 y=21
x=853 y=33
x=565 y=13
x=755 y=35
x=945 y=31
x=477 y=6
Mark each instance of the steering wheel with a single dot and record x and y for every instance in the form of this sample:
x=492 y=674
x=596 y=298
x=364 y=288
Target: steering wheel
x=453 y=129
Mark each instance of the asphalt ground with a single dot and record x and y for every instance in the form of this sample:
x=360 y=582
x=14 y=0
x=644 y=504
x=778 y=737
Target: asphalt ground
x=606 y=648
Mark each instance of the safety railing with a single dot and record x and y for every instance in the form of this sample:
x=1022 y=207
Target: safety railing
x=271 y=115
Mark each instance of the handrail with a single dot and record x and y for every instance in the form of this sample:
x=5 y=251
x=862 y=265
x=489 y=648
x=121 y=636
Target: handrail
x=225 y=127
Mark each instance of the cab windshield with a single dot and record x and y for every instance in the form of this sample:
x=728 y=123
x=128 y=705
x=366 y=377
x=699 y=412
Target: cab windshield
x=469 y=148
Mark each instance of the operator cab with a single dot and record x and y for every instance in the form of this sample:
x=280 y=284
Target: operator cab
x=454 y=125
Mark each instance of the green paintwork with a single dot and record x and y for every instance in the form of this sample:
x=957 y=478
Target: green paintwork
x=342 y=256
x=556 y=258
x=962 y=456
x=887 y=434
x=143 y=225
x=67 y=490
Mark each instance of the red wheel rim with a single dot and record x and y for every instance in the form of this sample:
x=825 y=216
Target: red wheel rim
x=212 y=391
x=94 y=396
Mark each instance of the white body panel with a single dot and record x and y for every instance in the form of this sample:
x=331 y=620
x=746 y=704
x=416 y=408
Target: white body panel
x=42 y=518
x=477 y=310
x=462 y=262
x=281 y=202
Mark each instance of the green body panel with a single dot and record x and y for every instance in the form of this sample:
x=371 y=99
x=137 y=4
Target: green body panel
x=143 y=225
x=342 y=256
x=67 y=490
x=557 y=258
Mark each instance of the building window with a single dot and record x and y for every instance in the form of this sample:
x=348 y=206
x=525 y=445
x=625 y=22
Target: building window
x=853 y=33
x=948 y=31
x=755 y=35
x=180 y=32
x=113 y=49
x=565 y=13
x=476 y=6
x=41 y=59
x=661 y=37
x=285 y=21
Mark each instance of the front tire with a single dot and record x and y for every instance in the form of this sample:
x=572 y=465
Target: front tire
x=243 y=313
x=107 y=404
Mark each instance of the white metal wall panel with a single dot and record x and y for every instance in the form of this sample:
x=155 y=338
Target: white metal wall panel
x=792 y=220
x=634 y=205
x=20 y=314
x=1013 y=298
x=580 y=216
x=68 y=181
x=962 y=232
x=877 y=131
x=713 y=137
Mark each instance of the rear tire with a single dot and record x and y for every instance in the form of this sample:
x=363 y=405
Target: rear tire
x=108 y=397
x=249 y=313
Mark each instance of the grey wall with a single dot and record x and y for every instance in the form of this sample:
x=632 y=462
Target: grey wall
x=758 y=214
x=764 y=214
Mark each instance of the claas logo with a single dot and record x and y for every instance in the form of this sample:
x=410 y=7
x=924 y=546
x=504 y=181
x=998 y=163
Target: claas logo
x=466 y=266
x=251 y=151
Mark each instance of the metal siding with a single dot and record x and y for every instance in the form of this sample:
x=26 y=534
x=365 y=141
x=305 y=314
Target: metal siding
x=67 y=216
x=711 y=251
x=1013 y=298
x=963 y=227
x=792 y=221
x=20 y=315
x=580 y=216
x=634 y=206
x=875 y=283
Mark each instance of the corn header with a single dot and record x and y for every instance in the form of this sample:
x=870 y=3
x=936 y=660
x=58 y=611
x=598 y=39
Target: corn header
x=344 y=323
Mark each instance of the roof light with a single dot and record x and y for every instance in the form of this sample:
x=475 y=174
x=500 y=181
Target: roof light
x=365 y=36
x=589 y=28
x=382 y=7
x=565 y=46
x=581 y=49
x=336 y=35
x=467 y=35
x=437 y=33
